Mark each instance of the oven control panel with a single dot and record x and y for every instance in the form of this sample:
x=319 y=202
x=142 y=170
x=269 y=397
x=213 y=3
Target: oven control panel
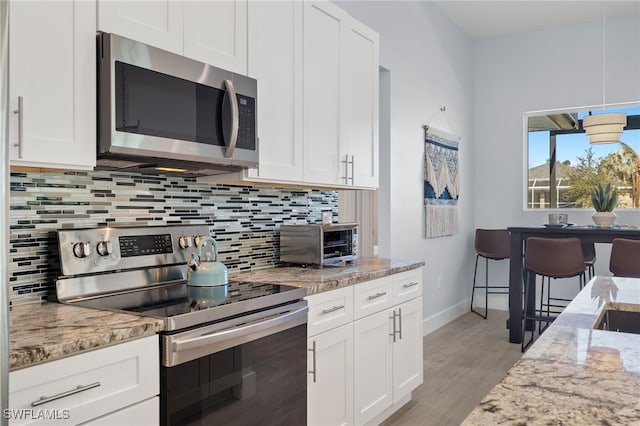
x=91 y=250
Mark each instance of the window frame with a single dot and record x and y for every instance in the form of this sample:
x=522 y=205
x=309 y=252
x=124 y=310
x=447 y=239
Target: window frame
x=525 y=158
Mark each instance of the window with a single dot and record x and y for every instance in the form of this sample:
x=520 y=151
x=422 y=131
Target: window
x=562 y=166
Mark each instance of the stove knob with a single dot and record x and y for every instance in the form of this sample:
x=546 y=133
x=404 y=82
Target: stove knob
x=184 y=242
x=82 y=249
x=104 y=248
x=198 y=239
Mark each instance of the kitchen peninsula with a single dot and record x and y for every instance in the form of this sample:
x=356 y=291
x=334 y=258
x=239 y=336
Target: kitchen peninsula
x=573 y=373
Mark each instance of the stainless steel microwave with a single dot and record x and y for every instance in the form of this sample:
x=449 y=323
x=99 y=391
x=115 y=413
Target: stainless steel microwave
x=162 y=112
x=319 y=245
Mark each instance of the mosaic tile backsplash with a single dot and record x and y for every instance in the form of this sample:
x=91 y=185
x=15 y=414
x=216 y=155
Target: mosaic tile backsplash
x=244 y=220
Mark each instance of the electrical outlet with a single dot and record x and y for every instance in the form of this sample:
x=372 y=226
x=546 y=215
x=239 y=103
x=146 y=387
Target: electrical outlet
x=375 y=249
x=439 y=282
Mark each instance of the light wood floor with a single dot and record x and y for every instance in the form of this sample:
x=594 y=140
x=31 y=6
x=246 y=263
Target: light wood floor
x=463 y=361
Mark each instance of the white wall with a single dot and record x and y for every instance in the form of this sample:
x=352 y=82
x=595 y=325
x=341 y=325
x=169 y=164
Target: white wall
x=431 y=63
x=554 y=69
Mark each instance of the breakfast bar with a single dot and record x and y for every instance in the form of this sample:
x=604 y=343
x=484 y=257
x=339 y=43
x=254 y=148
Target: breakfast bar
x=519 y=235
x=575 y=373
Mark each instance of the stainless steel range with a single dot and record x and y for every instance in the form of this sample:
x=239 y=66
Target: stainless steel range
x=236 y=360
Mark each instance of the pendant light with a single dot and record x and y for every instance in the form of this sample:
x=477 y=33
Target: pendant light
x=606 y=127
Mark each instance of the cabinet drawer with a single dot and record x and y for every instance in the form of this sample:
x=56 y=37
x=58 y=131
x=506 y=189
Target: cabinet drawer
x=329 y=310
x=407 y=285
x=146 y=413
x=83 y=387
x=372 y=296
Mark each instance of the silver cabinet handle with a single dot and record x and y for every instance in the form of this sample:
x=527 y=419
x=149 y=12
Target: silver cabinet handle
x=233 y=101
x=399 y=323
x=410 y=285
x=313 y=362
x=393 y=332
x=346 y=168
x=377 y=295
x=20 y=112
x=328 y=311
x=80 y=388
x=353 y=169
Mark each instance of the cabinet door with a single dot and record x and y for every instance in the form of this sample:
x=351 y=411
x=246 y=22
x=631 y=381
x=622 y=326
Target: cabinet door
x=275 y=37
x=215 y=32
x=360 y=115
x=330 y=381
x=53 y=84
x=372 y=371
x=322 y=57
x=158 y=23
x=407 y=350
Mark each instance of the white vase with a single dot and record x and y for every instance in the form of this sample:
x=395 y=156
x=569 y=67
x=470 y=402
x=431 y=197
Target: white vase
x=604 y=219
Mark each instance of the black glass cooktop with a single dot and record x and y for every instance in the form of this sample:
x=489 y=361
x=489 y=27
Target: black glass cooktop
x=184 y=306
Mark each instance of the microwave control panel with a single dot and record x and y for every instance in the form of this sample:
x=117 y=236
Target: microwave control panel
x=246 y=122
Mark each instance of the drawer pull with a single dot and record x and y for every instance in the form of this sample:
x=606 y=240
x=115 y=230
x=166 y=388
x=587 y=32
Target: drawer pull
x=335 y=308
x=80 y=388
x=377 y=295
x=410 y=285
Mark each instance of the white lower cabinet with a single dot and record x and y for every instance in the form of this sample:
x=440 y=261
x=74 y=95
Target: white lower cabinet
x=374 y=369
x=330 y=379
x=407 y=350
x=359 y=370
x=116 y=385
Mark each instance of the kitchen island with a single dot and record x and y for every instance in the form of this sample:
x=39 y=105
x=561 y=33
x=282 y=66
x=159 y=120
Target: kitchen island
x=573 y=373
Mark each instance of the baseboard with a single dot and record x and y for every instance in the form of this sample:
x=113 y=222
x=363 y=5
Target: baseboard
x=436 y=321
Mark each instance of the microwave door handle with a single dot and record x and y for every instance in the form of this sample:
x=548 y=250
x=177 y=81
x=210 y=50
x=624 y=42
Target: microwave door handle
x=230 y=93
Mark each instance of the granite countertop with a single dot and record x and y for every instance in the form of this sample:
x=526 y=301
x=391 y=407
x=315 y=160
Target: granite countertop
x=574 y=374
x=317 y=280
x=40 y=332
x=45 y=331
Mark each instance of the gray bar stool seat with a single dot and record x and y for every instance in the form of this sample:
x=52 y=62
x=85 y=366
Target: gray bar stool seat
x=549 y=258
x=625 y=258
x=491 y=244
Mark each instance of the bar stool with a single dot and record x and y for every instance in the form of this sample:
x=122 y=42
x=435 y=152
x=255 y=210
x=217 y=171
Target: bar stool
x=491 y=244
x=589 y=253
x=625 y=258
x=550 y=258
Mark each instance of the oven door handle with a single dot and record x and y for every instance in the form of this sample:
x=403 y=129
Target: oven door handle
x=236 y=333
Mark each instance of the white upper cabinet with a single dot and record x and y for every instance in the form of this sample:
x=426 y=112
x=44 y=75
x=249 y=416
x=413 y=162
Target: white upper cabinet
x=53 y=84
x=322 y=68
x=360 y=105
x=157 y=23
x=215 y=32
x=275 y=30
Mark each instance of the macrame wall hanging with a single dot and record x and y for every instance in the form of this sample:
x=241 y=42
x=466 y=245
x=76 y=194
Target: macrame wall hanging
x=441 y=183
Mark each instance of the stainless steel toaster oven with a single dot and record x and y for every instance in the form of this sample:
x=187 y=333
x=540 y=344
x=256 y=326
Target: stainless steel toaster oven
x=319 y=245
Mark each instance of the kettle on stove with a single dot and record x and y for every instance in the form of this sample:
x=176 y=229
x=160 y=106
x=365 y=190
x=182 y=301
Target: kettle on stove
x=208 y=279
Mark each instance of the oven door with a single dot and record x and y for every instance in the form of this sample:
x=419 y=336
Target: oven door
x=253 y=371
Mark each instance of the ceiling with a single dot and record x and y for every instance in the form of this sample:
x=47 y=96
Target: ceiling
x=483 y=19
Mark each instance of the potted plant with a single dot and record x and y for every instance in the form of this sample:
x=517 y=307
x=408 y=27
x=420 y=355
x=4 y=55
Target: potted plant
x=604 y=200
